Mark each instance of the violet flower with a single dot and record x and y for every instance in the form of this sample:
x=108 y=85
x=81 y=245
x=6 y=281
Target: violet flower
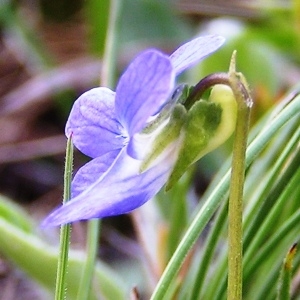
x=113 y=129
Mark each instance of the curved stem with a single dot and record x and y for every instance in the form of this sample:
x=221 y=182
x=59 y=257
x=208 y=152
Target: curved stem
x=239 y=87
x=235 y=211
x=204 y=84
x=212 y=203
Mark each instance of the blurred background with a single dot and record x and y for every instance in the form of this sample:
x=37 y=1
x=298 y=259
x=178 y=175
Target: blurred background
x=50 y=53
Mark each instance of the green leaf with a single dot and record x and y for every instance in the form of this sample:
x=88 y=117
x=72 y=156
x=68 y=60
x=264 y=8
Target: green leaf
x=285 y=276
x=38 y=259
x=10 y=212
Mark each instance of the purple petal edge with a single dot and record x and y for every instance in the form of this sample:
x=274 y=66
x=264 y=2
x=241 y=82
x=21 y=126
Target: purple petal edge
x=143 y=88
x=121 y=190
x=194 y=51
x=91 y=172
x=92 y=122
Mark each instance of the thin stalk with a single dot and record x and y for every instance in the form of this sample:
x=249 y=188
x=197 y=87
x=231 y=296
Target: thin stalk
x=235 y=210
x=235 y=213
x=107 y=75
x=65 y=230
x=259 y=250
x=213 y=201
x=109 y=58
x=88 y=271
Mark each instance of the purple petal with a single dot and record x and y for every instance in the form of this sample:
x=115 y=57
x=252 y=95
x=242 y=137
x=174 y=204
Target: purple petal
x=119 y=191
x=194 y=51
x=93 y=123
x=143 y=88
x=91 y=172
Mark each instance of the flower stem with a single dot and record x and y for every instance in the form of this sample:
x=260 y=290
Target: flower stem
x=92 y=247
x=240 y=89
x=235 y=211
x=107 y=79
x=65 y=230
x=292 y=109
x=109 y=58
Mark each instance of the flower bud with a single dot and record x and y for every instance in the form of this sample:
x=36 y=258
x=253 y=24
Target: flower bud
x=208 y=124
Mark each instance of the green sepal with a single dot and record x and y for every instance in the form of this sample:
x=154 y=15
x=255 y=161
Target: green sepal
x=169 y=134
x=208 y=125
x=202 y=120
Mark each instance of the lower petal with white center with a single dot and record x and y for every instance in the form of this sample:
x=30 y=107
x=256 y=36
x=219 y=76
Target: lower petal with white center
x=92 y=172
x=120 y=190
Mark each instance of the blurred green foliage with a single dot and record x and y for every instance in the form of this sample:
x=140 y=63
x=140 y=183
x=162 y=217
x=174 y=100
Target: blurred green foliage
x=268 y=54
